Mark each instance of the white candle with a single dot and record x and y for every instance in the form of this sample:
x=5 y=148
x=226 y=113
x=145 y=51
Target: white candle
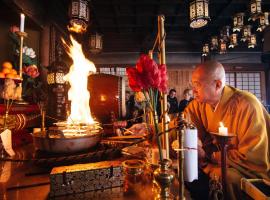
x=222 y=130
x=22 y=22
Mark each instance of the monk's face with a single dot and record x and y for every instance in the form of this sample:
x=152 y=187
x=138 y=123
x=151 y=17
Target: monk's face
x=204 y=89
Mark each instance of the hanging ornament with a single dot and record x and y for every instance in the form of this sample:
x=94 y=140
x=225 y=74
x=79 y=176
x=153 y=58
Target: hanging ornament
x=233 y=40
x=238 y=22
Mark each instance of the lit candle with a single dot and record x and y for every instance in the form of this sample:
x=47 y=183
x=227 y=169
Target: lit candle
x=22 y=22
x=222 y=130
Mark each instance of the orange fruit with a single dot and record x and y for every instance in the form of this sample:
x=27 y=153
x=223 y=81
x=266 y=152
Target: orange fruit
x=17 y=76
x=6 y=70
x=2 y=75
x=7 y=65
x=13 y=71
x=10 y=76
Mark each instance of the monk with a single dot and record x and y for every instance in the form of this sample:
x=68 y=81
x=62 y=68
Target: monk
x=243 y=114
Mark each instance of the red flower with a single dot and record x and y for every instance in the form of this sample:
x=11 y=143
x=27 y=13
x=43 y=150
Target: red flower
x=164 y=78
x=14 y=29
x=133 y=79
x=31 y=71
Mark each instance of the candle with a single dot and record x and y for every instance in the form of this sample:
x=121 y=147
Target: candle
x=22 y=22
x=222 y=130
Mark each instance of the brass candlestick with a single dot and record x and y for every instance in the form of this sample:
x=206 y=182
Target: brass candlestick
x=22 y=35
x=222 y=141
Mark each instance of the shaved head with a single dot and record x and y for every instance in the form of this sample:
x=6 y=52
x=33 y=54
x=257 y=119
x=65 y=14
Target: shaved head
x=208 y=80
x=210 y=70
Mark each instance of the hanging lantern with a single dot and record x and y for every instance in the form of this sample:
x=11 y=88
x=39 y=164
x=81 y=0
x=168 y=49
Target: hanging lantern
x=263 y=21
x=252 y=42
x=225 y=33
x=214 y=43
x=255 y=9
x=205 y=50
x=79 y=16
x=199 y=14
x=246 y=33
x=96 y=43
x=238 y=22
x=233 y=40
x=222 y=47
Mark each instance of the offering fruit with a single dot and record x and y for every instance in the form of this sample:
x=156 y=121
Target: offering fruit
x=13 y=71
x=12 y=76
x=7 y=65
x=2 y=75
x=6 y=71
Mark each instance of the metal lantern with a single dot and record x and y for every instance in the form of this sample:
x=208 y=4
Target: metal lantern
x=205 y=50
x=225 y=33
x=222 y=47
x=233 y=40
x=263 y=21
x=246 y=33
x=255 y=9
x=79 y=16
x=252 y=42
x=238 y=22
x=214 y=43
x=199 y=13
x=96 y=43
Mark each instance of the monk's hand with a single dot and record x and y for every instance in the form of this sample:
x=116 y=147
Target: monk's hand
x=201 y=152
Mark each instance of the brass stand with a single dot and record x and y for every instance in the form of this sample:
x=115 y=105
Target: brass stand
x=22 y=35
x=222 y=141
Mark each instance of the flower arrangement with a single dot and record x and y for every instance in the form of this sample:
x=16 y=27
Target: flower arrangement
x=149 y=78
x=31 y=84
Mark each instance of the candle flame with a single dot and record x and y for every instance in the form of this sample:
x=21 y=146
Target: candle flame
x=78 y=79
x=221 y=124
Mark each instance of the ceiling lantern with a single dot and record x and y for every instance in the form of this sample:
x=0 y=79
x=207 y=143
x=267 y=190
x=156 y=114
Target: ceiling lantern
x=255 y=9
x=199 y=13
x=96 y=43
x=252 y=42
x=263 y=21
x=205 y=50
x=222 y=47
x=238 y=22
x=233 y=40
x=214 y=43
x=78 y=16
x=246 y=33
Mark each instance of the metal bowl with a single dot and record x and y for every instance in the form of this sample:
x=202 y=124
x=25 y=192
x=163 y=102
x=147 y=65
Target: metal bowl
x=66 y=145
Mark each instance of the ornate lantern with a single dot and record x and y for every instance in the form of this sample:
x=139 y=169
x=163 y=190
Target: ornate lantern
x=199 y=13
x=57 y=88
x=238 y=22
x=96 y=43
x=233 y=40
x=79 y=16
x=255 y=9
x=252 y=41
x=214 y=43
x=222 y=47
x=246 y=33
x=263 y=21
x=205 y=50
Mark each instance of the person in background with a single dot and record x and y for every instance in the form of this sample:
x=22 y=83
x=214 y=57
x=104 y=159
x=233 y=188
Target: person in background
x=188 y=97
x=172 y=103
x=243 y=114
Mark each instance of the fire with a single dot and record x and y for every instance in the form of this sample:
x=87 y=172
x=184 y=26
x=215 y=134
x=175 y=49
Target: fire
x=78 y=78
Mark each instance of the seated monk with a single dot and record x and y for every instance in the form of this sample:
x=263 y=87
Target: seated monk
x=243 y=115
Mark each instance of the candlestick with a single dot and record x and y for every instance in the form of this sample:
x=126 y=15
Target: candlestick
x=22 y=22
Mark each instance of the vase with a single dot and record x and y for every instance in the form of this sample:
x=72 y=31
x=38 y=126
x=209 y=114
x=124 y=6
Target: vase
x=164 y=176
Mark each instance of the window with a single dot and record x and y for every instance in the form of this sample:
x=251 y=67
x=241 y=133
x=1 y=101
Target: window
x=249 y=81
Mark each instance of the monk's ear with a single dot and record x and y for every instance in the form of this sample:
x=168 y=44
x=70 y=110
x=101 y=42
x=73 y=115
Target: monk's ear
x=218 y=84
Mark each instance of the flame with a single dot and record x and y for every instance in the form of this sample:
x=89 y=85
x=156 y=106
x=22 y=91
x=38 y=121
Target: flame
x=77 y=28
x=221 y=124
x=78 y=78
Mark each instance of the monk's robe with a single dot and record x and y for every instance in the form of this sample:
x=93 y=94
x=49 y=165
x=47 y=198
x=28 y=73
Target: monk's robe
x=243 y=115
